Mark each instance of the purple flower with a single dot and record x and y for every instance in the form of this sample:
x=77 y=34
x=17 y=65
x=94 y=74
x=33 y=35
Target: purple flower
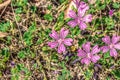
x=12 y=63
x=80 y=18
x=111 y=45
x=60 y=41
x=111 y=13
x=88 y=55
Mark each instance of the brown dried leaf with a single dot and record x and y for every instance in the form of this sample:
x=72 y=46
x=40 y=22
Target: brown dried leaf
x=5 y=3
x=91 y=1
x=3 y=34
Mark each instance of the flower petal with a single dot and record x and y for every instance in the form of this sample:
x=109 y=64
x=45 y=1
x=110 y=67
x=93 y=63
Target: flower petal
x=53 y=44
x=95 y=58
x=83 y=5
x=61 y=48
x=68 y=41
x=106 y=39
x=111 y=12
x=115 y=39
x=82 y=8
x=104 y=49
x=81 y=53
x=81 y=12
x=85 y=61
x=54 y=35
x=72 y=23
x=86 y=47
x=82 y=26
x=113 y=52
x=72 y=14
x=63 y=33
x=117 y=46
x=95 y=50
x=87 y=18
x=77 y=3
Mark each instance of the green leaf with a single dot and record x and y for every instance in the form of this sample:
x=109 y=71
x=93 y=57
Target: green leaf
x=4 y=26
x=108 y=78
x=81 y=41
x=48 y=17
x=102 y=7
x=88 y=74
x=9 y=38
x=29 y=34
x=116 y=5
x=116 y=73
x=106 y=55
x=18 y=10
x=44 y=48
x=61 y=17
x=49 y=7
x=33 y=8
x=21 y=54
x=61 y=1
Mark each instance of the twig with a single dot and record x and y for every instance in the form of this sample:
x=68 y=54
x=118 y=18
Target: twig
x=101 y=21
x=3 y=11
x=39 y=63
x=17 y=23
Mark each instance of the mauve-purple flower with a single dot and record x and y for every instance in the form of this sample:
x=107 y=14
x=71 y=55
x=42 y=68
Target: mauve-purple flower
x=111 y=13
x=87 y=54
x=80 y=18
x=60 y=40
x=111 y=45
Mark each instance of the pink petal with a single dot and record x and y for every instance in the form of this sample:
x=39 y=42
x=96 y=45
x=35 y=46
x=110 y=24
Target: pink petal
x=77 y=3
x=72 y=23
x=81 y=53
x=68 y=41
x=95 y=50
x=106 y=39
x=63 y=33
x=81 y=12
x=83 y=5
x=72 y=14
x=86 y=47
x=82 y=26
x=95 y=58
x=87 y=18
x=115 y=39
x=85 y=61
x=111 y=12
x=82 y=8
x=53 y=44
x=61 y=48
x=113 y=52
x=54 y=35
x=104 y=49
x=117 y=46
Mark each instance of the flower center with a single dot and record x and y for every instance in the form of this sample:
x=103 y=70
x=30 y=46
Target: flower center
x=60 y=41
x=79 y=19
x=89 y=55
x=111 y=45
